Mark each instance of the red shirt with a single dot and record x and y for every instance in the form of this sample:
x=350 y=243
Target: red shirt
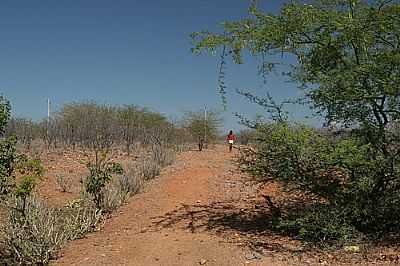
x=231 y=137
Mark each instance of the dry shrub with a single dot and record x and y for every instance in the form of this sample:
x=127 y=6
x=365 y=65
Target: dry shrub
x=123 y=187
x=81 y=217
x=179 y=148
x=132 y=181
x=149 y=169
x=37 y=148
x=35 y=237
x=162 y=155
x=113 y=198
x=64 y=183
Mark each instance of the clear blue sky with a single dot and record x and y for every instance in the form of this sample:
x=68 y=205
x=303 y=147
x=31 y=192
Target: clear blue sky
x=120 y=52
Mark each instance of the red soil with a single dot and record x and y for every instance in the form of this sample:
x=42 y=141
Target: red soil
x=200 y=211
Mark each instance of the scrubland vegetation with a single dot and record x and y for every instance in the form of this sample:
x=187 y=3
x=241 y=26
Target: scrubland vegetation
x=346 y=64
x=33 y=232
x=203 y=127
x=92 y=126
x=347 y=67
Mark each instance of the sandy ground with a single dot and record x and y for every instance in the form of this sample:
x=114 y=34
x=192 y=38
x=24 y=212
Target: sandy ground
x=179 y=220
x=200 y=211
x=71 y=165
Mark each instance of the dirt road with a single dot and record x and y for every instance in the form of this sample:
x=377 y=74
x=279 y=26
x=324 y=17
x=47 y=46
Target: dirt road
x=188 y=216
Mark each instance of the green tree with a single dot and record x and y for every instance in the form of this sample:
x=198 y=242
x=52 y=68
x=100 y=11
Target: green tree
x=31 y=171
x=347 y=52
x=7 y=151
x=202 y=127
x=130 y=119
x=347 y=63
x=100 y=174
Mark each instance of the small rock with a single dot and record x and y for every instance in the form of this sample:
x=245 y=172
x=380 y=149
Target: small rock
x=353 y=249
x=253 y=256
x=203 y=262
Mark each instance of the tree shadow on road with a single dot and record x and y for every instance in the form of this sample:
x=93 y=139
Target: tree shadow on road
x=251 y=225
x=244 y=225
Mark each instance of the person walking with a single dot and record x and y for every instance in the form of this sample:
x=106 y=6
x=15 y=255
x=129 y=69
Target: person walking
x=231 y=138
x=201 y=143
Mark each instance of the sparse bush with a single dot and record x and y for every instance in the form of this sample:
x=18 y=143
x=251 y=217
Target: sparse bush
x=108 y=194
x=34 y=232
x=93 y=126
x=247 y=136
x=25 y=130
x=132 y=181
x=37 y=148
x=7 y=163
x=178 y=148
x=81 y=217
x=7 y=152
x=35 y=236
x=159 y=157
x=149 y=169
x=31 y=171
x=162 y=155
x=101 y=172
x=343 y=174
x=201 y=128
x=113 y=197
x=320 y=225
x=63 y=182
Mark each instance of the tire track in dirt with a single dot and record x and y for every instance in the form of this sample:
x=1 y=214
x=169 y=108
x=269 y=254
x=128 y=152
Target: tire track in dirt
x=152 y=229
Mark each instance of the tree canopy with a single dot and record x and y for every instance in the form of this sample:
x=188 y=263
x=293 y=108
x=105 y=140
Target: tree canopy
x=200 y=126
x=347 y=63
x=347 y=53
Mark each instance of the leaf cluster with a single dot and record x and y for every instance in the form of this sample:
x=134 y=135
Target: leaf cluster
x=344 y=175
x=100 y=174
x=347 y=64
x=31 y=171
x=7 y=151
